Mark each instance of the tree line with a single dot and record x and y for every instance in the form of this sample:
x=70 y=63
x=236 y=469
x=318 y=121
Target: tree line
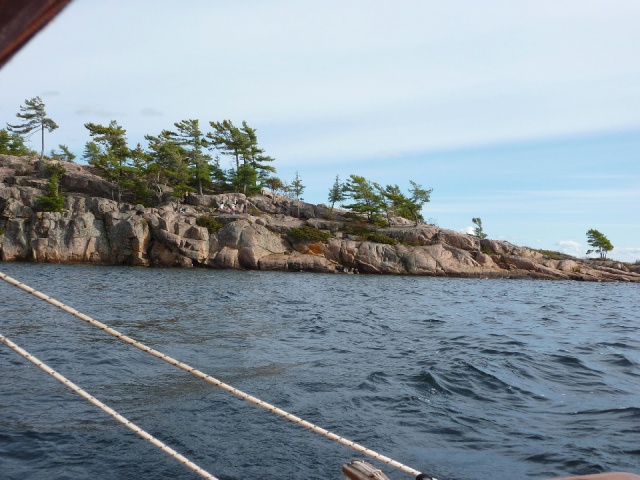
x=377 y=202
x=175 y=161
x=187 y=159
x=178 y=161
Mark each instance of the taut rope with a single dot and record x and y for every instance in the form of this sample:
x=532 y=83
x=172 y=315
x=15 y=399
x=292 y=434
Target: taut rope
x=214 y=381
x=130 y=425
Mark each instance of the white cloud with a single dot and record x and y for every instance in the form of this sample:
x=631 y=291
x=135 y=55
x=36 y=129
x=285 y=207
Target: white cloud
x=571 y=247
x=468 y=230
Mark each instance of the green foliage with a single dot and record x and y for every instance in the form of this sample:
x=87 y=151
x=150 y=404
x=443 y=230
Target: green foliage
x=1 y=231
x=275 y=185
x=380 y=238
x=53 y=201
x=64 y=155
x=365 y=198
x=48 y=203
x=252 y=167
x=176 y=162
x=378 y=220
x=394 y=202
x=13 y=144
x=245 y=179
x=488 y=250
x=92 y=152
x=336 y=193
x=373 y=200
x=308 y=234
x=357 y=230
x=228 y=139
x=164 y=165
x=419 y=196
x=210 y=223
x=553 y=255
x=599 y=242
x=55 y=169
x=191 y=139
x=296 y=188
x=413 y=243
x=478 y=232
x=34 y=119
x=366 y=233
x=111 y=155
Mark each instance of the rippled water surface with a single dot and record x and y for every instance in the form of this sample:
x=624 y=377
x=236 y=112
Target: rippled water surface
x=460 y=378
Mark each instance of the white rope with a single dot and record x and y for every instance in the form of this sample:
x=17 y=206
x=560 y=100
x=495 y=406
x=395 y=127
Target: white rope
x=214 y=381
x=130 y=425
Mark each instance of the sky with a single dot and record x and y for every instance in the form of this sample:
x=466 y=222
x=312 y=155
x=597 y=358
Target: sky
x=525 y=114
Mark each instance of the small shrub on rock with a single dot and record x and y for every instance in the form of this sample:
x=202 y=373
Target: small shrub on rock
x=210 y=223
x=379 y=238
x=308 y=234
x=553 y=255
x=357 y=230
x=54 y=200
x=488 y=251
x=50 y=203
x=412 y=243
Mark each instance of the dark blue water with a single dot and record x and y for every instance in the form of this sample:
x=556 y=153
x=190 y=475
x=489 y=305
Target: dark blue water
x=460 y=378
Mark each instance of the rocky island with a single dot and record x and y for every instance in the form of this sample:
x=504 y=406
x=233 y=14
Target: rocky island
x=258 y=232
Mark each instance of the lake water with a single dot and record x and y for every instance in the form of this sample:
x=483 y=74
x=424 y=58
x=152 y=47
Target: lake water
x=458 y=378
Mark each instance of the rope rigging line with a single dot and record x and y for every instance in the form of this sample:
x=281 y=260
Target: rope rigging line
x=218 y=383
x=130 y=425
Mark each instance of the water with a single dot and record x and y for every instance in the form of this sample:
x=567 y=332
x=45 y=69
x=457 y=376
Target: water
x=460 y=378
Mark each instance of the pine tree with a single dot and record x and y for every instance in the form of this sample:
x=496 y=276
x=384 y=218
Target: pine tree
x=392 y=202
x=365 y=197
x=275 y=185
x=191 y=138
x=478 y=231
x=35 y=120
x=336 y=193
x=296 y=188
x=242 y=145
x=64 y=155
x=396 y=203
x=228 y=139
x=111 y=155
x=167 y=165
x=13 y=144
x=599 y=242
x=53 y=201
x=419 y=196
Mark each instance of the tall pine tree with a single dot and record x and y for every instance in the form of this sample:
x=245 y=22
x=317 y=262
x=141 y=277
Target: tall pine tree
x=110 y=154
x=190 y=137
x=35 y=120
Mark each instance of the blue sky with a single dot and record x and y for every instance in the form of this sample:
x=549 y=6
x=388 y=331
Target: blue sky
x=526 y=114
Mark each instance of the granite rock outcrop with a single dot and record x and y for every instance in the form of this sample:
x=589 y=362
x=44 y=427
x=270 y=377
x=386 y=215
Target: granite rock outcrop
x=250 y=233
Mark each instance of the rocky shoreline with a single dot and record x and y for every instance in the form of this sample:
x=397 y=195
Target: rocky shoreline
x=252 y=233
